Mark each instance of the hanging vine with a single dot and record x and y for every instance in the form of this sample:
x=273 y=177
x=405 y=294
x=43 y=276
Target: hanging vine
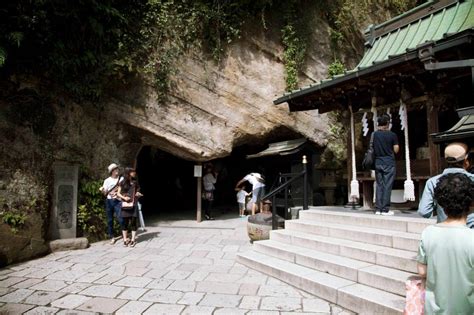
x=294 y=44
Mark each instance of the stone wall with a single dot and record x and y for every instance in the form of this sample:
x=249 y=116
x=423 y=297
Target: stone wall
x=37 y=129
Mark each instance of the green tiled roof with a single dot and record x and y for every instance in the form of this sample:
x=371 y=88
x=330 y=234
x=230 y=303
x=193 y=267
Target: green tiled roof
x=432 y=21
x=449 y=20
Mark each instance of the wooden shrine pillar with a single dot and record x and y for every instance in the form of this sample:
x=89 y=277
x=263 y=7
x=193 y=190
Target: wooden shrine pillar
x=433 y=126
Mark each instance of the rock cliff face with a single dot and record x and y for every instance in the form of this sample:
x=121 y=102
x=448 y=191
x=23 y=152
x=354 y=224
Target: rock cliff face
x=214 y=107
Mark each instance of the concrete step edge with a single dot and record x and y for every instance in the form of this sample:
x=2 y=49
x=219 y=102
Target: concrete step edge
x=310 y=253
x=397 y=223
x=375 y=254
x=357 y=228
x=390 y=238
x=381 y=277
x=331 y=239
x=264 y=263
x=350 y=214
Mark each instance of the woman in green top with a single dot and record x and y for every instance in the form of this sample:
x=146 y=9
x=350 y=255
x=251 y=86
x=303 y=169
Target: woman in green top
x=446 y=252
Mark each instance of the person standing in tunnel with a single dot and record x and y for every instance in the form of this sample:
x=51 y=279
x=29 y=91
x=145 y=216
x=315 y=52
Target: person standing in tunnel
x=209 y=180
x=258 y=189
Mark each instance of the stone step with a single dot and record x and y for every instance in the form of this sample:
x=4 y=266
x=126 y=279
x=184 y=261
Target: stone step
x=388 y=279
x=384 y=278
x=373 y=254
x=388 y=238
x=315 y=282
x=353 y=296
x=343 y=267
x=363 y=299
x=395 y=223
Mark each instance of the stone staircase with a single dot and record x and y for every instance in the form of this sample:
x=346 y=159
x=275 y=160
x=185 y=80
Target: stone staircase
x=355 y=260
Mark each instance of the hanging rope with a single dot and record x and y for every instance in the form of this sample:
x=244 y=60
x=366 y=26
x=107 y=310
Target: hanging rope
x=374 y=120
x=354 y=195
x=409 y=187
x=390 y=115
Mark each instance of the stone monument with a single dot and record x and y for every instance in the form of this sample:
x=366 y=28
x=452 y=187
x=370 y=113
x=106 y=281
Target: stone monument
x=64 y=216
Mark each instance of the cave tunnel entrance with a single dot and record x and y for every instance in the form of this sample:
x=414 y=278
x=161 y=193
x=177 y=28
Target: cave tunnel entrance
x=170 y=188
x=166 y=181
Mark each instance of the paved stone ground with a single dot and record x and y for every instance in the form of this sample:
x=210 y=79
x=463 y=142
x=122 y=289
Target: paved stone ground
x=176 y=268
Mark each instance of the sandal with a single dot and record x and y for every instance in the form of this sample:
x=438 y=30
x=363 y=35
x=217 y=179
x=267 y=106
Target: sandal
x=132 y=244
x=126 y=242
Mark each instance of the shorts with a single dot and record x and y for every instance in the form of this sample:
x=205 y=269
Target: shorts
x=257 y=194
x=241 y=206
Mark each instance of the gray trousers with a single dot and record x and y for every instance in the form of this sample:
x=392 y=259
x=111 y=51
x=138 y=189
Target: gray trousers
x=385 y=176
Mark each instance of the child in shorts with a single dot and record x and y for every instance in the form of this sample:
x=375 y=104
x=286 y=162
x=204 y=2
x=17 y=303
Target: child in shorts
x=241 y=194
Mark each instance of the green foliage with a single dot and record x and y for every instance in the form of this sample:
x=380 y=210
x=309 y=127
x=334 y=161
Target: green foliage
x=345 y=17
x=83 y=45
x=295 y=46
x=15 y=220
x=15 y=212
x=91 y=216
x=335 y=153
x=335 y=68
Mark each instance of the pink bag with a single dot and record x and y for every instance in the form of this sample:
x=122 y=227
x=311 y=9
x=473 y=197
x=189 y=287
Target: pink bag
x=415 y=296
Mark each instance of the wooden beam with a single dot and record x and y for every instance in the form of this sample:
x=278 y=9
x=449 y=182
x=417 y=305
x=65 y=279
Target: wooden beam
x=433 y=126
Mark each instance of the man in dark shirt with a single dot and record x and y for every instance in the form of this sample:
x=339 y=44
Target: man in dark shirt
x=385 y=148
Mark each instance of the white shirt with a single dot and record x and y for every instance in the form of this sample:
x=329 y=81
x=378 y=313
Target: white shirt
x=241 y=194
x=208 y=181
x=110 y=185
x=252 y=179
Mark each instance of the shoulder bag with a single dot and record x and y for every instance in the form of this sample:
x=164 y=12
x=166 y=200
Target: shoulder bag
x=106 y=192
x=129 y=204
x=368 y=163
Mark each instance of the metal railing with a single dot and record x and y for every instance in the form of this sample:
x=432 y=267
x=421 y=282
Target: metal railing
x=292 y=178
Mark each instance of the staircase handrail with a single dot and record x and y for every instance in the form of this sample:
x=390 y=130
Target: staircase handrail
x=284 y=185
x=273 y=193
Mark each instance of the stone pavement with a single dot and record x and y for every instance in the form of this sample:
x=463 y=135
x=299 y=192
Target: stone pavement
x=184 y=268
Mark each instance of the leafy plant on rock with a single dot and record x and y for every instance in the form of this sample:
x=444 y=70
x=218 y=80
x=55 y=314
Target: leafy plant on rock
x=15 y=220
x=335 y=68
x=294 y=44
x=91 y=216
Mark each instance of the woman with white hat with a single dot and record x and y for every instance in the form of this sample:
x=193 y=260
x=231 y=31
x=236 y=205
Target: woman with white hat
x=112 y=202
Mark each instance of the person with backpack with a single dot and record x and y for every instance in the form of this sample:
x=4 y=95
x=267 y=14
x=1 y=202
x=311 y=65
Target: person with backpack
x=446 y=250
x=455 y=155
x=112 y=202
